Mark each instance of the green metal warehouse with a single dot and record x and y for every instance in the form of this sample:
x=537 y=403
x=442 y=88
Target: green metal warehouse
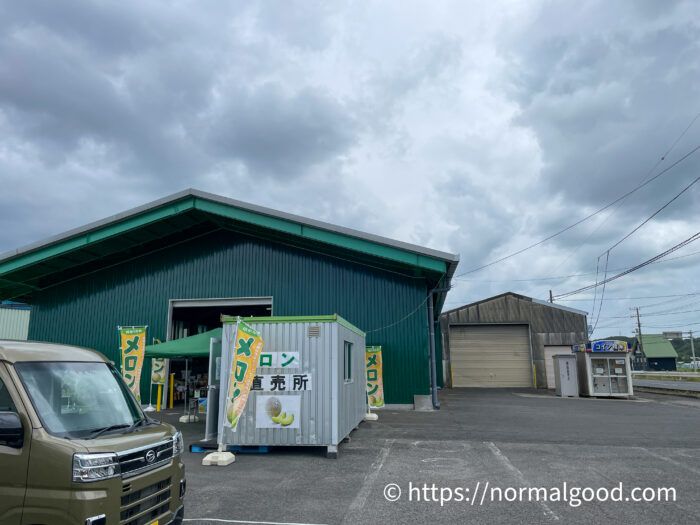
x=177 y=263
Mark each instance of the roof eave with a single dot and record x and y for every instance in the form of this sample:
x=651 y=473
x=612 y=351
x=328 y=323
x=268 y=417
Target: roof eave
x=433 y=261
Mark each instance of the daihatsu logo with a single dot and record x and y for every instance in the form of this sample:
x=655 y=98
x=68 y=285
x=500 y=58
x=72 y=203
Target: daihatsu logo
x=150 y=456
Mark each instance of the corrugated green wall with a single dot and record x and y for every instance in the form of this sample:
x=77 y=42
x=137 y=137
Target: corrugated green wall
x=86 y=311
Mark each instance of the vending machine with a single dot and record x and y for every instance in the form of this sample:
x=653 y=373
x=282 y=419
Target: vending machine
x=604 y=368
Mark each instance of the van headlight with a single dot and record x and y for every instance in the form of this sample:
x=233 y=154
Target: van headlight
x=94 y=467
x=178 y=444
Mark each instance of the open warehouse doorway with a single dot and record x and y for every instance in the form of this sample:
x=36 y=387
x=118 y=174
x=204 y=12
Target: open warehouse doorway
x=188 y=317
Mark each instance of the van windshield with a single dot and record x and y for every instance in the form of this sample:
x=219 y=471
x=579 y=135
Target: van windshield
x=79 y=400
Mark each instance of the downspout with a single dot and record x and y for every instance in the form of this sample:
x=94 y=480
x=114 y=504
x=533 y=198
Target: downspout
x=431 y=350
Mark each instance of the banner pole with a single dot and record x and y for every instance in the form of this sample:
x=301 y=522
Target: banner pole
x=160 y=387
x=150 y=408
x=121 y=355
x=150 y=389
x=172 y=380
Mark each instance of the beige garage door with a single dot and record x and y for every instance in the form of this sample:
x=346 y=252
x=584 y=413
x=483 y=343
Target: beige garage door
x=549 y=353
x=490 y=356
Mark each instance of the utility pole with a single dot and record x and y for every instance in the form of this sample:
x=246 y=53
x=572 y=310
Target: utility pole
x=692 y=349
x=639 y=330
x=639 y=336
x=551 y=298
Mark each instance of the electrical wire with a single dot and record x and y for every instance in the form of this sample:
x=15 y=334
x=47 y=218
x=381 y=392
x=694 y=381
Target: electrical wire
x=663 y=157
x=668 y=312
x=654 y=214
x=652 y=314
x=648 y=173
x=560 y=277
x=457 y=301
x=595 y=290
x=667 y=301
x=407 y=315
x=636 y=298
x=563 y=230
x=400 y=320
x=607 y=252
x=632 y=269
x=672 y=326
x=602 y=295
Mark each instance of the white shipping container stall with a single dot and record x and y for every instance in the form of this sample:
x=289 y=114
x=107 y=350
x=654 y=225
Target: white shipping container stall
x=313 y=368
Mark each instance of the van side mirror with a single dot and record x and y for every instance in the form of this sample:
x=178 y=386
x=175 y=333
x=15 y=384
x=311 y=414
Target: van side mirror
x=11 y=430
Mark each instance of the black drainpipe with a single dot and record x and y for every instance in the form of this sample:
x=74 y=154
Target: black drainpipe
x=431 y=350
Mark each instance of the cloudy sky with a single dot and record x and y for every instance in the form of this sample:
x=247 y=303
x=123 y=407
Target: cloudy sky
x=477 y=128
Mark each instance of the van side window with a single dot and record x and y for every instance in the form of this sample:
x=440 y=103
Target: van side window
x=6 y=404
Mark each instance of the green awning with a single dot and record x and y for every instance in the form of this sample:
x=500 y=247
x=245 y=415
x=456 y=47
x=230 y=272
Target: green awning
x=193 y=346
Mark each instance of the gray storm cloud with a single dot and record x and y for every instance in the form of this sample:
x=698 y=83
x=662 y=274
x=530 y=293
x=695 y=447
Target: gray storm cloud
x=468 y=127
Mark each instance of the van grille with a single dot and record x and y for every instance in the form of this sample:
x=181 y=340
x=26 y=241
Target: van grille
x=143 y=506
x=137 y=461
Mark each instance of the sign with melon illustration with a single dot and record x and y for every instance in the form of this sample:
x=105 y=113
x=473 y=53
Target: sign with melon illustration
x=247 y=348
x=375 y=382
x=277 y=411
x=158 y=370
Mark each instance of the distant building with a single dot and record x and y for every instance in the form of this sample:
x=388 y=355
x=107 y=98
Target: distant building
x=14 y=320
x=655 y=353
x=508 y=341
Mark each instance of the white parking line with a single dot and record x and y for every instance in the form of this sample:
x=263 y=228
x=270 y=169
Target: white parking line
x=669 y=460
x=219 y=520
x=359 y=502
x=519 y=475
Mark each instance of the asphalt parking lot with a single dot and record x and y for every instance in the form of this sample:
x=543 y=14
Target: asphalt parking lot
x=506 y=438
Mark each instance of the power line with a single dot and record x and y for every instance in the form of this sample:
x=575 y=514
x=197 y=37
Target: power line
x=673 y=325
x=648 y=173
x=457 y=301
x=663 y=157
x=607 y=252
x=654 y=214
x=682 y=305
x=669 y=312
x=402 y=319
x=563 y=230
x=602 y=295
x=694 y=301
x=636 y=298
x=408 y=314
x=634 y=268
x=560 y=277
x=652 y=314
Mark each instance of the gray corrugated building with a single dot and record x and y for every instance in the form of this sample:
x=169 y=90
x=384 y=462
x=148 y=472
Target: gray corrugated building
x=508 y=341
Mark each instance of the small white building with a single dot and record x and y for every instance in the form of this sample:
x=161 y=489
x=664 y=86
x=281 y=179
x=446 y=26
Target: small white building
x=14 y=320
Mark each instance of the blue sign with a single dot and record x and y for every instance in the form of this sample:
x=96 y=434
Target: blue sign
x=610 y=345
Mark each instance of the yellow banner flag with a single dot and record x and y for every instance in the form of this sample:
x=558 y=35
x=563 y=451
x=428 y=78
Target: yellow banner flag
x=247 y=348
x=133 y=345
x=375 y=382
x=158 y=370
